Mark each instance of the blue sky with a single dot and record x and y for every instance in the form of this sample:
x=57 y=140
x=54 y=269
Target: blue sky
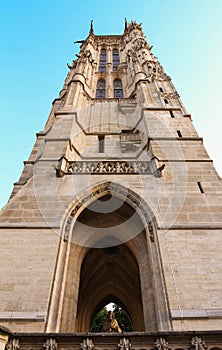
x=37 y=41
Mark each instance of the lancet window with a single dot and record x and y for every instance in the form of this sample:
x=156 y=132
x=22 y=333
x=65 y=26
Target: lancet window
x=101 y=143
x=118 y=89
x=101 y=89
x=102 y=61
x=115 y=59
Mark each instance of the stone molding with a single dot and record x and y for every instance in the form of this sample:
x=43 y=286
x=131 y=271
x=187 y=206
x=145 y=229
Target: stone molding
x=23 y=316
x=197 y=314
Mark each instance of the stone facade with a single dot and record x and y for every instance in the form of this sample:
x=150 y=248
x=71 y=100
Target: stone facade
x=118 y=202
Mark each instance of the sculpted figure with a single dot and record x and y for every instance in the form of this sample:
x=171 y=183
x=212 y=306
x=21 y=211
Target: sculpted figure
x=111 y=324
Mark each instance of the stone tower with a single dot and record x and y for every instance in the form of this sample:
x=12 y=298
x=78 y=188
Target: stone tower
x=118 y=202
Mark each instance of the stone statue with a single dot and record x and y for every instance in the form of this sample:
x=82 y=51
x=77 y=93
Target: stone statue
x=111 y=324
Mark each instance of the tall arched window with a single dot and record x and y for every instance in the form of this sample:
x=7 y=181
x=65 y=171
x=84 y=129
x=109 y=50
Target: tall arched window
x=118 y=90
x=115 y=58
x=102 y=61
x=101 y=89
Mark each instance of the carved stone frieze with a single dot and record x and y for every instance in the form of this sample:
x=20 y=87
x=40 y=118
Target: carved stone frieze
x=87 y=344
x=197 y=344
x=124 y=344
x=50 y=344
x=108 y=167
x=66 y=167
x=161 y=344
x=13 y=344
x=107 y=41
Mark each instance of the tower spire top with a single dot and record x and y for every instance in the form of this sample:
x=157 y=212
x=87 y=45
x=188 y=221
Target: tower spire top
x=126 y=24
x=91 y=27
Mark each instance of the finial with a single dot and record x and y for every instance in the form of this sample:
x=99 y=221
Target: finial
x=125 y=24
x=91 y=27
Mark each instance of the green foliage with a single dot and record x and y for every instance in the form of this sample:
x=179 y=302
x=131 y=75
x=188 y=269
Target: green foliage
x=122 y=318
x=97 y=323
x=120 y=314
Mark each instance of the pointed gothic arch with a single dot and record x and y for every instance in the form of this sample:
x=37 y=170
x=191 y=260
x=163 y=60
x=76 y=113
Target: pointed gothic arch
x=82 y=277
x=107 y=275
x=108 y=300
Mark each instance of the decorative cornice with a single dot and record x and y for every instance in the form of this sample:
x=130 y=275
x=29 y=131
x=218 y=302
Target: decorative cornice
x=65 y=167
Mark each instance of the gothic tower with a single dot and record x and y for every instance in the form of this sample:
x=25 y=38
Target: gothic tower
x=118 y=202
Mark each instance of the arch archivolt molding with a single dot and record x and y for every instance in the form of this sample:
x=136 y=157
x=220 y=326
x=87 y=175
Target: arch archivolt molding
x=110 y=188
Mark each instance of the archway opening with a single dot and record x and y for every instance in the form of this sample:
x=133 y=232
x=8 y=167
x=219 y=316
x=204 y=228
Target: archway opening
x=120 y=314
x=110 y=257
x=110 y=275
x=106 y=222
